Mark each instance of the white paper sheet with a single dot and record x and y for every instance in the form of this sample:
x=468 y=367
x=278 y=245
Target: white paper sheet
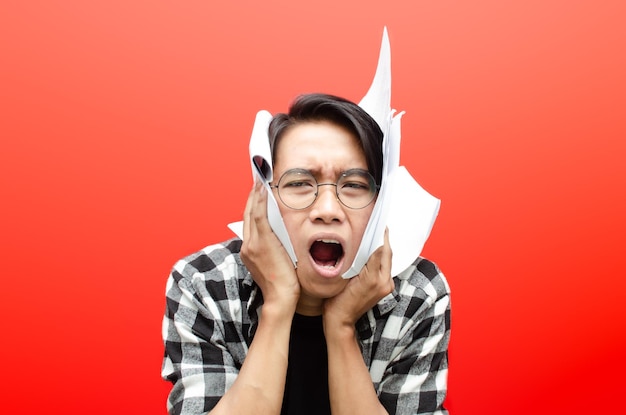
x=262 y=169
x=402 y=206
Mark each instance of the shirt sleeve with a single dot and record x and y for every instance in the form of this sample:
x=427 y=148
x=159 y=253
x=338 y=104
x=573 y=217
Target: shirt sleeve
x=196 y=360
x=414 y=343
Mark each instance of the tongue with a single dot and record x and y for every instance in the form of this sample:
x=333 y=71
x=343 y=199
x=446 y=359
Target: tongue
x=325 y=253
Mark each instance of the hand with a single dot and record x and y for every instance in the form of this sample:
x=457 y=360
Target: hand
x=363 y=291
x=266 y=258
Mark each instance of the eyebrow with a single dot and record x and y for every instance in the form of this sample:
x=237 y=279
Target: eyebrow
x=316 y=172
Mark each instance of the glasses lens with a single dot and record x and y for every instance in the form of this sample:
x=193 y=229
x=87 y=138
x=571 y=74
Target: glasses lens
x=297 y=188
x=356 y=188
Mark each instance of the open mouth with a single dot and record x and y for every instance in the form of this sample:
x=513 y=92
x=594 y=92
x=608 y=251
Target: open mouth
x=326 y=253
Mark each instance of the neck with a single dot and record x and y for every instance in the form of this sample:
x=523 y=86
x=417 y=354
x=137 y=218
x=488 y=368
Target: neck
x=309 y=306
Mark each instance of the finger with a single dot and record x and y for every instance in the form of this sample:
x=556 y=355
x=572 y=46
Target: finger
x=386 y=255
x=375 y=260
x=379 y=265
x=259 y=210
x=249 y=227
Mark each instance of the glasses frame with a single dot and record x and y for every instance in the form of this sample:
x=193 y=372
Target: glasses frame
x=365 y=173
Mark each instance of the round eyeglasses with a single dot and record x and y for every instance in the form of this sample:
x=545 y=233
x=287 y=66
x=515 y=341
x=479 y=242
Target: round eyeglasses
x=298 y=189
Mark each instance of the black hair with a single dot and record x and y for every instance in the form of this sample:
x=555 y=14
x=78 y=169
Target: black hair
x=339 y=111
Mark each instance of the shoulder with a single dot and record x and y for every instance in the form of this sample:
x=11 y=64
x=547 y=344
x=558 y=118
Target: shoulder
x=425 y=276
x=214 y=267
x=419 y=288
x=209 y=259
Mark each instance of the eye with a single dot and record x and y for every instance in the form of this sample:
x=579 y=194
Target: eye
x=355 y=181
x=355 y=185
x=298 y=183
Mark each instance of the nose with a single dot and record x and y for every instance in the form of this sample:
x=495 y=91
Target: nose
x=327 y=207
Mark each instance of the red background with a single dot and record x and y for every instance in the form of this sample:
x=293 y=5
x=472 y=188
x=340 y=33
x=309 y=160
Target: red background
x=125 y=127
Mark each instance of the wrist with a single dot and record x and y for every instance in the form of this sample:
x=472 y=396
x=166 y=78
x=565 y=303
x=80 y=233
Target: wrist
x=335 y=329
x=277 y=313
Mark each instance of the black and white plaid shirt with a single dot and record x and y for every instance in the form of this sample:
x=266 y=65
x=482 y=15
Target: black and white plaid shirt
x=212 y=313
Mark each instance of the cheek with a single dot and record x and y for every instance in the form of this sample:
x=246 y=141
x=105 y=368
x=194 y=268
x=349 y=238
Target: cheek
x=359 y=223
x=293 y=222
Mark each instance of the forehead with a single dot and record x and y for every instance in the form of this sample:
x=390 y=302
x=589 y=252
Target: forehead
x=320 y=147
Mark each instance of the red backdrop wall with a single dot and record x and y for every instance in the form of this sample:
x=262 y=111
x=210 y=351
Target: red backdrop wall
x=124 y=130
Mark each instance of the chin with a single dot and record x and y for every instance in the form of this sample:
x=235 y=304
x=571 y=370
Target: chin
x=321 y=287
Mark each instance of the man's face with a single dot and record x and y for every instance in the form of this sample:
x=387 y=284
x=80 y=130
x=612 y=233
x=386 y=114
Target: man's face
x=327 y=234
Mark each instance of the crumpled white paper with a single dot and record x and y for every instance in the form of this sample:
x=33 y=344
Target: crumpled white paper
x=402 y=206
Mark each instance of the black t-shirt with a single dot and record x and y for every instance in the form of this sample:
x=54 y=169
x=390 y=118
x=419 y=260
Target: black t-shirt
x=306 y=387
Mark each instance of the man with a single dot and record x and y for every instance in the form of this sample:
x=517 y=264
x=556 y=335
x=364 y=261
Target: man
x=247 y=332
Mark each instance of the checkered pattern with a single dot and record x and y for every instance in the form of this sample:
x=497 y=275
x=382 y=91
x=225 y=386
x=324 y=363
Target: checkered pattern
x=212 y=313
